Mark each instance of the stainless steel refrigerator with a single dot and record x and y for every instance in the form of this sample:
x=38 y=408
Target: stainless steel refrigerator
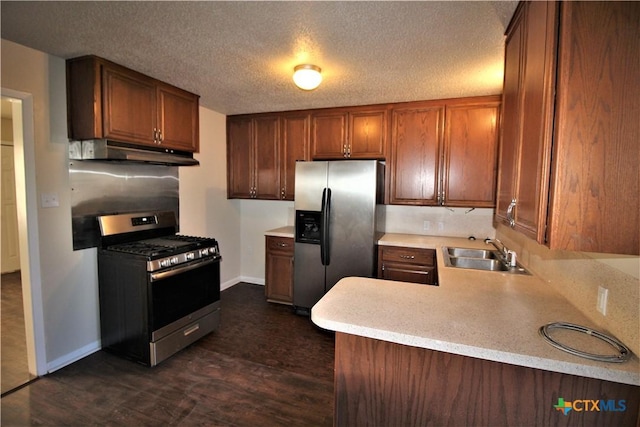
x=335 y=225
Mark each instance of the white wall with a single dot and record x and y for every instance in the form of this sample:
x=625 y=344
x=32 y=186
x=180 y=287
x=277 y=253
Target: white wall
x=439 y=221
x=69 y=279
x=204 y=208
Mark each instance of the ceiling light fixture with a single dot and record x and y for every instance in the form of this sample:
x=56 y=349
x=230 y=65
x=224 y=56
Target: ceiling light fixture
x=307 y=76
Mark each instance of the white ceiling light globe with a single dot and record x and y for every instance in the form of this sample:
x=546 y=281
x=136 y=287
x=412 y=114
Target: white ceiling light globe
x=306 y=76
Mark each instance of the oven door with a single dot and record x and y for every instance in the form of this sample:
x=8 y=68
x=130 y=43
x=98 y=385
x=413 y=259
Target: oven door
x=182 y=291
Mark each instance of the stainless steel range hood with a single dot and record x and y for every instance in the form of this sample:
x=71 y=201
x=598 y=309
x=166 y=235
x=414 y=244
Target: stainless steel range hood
x=104 y=149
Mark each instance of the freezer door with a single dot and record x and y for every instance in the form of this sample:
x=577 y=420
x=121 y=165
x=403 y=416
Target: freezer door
x=352 y=220
x=311 y=180
x=309 y=273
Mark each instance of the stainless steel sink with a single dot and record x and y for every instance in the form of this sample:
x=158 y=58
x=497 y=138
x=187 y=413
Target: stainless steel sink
x=479 y=259
x=478 y=264
x=472 y=253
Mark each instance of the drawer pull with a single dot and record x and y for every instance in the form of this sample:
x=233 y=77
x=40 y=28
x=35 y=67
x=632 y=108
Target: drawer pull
x=407 y=257
x=191 y=329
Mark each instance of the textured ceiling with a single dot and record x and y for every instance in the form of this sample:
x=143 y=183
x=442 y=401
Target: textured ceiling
x=239 y=56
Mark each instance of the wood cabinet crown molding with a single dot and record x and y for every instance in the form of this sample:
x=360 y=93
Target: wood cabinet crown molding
x=107 y=100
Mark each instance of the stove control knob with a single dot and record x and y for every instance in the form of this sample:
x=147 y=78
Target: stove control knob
x=204 y=252
x=165 y=263
x=190 y=256
x=174 y=260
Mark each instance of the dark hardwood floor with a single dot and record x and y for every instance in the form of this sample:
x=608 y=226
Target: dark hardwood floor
x=265 y=366
x=15 y=369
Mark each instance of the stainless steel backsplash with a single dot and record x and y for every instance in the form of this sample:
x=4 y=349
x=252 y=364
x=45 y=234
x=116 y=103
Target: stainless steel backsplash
x=103 y=188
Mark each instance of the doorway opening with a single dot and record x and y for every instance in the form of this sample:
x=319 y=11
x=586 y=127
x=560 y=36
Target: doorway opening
x=23 y=357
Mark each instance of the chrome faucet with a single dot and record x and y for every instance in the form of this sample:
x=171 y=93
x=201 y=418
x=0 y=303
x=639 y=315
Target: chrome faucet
x=498 y=245
x=510 y=256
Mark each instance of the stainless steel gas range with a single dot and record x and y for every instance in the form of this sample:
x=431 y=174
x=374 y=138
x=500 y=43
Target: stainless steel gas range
x=159 y=291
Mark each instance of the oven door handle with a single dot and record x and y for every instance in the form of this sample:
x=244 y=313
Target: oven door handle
x=166 y=274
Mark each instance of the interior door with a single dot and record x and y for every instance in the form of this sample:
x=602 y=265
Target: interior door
x=10 y=244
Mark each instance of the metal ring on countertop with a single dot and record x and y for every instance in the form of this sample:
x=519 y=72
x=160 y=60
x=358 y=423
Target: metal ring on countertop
x=623 y=350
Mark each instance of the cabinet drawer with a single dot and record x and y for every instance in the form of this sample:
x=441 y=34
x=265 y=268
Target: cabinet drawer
x=280 y=244
x=404 y=273
x=412 y=256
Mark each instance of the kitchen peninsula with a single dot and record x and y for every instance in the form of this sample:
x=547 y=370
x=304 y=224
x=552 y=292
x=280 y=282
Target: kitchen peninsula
x=467 y=352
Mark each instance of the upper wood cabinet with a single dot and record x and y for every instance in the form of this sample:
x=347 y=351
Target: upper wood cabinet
x=470 y=160
x=444 y=152
x=353 y=133
x=528 y=92
x=240 y=157
x=569 y=166
x=294 y=147
x=253 y=157
x=262 y=151
x=106 y=100
x=416 y=146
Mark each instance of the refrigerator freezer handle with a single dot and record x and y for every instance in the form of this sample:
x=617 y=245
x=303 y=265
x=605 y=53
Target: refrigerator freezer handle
x=325 y=216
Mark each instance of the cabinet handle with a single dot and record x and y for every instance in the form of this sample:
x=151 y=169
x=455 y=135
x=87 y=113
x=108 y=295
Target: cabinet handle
x=283 y=193
x=344 y=150
x=407 y=257
x=512 y=222
x=349 y=150
x=160 y=137
x=283 y=245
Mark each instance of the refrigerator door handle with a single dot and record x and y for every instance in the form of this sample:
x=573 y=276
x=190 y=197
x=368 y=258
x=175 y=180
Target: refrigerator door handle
x=325 y=216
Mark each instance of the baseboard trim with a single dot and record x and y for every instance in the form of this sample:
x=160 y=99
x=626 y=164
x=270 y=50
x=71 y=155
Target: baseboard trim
x=74 y=356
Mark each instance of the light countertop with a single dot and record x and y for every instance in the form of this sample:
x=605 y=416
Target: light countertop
x=286 y=231
x=488 y=315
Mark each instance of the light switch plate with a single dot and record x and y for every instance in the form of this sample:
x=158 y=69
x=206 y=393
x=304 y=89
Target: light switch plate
x=49 y=200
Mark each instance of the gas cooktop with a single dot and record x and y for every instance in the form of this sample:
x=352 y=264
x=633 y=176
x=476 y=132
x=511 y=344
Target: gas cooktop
x=163 y=246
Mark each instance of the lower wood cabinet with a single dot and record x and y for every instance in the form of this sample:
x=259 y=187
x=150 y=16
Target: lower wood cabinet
x=413 y=265
x=279 y=269
x=379 y=383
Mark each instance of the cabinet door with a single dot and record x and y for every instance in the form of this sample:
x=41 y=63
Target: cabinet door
x=416 y=141
x=510 y=129
x=595 y=197
x=129 y=107
x=178 y=119
x=329 y=135
x=470 y=159
x=267 y=161
x=294 y=145
x=279 y=270
x=240 y=154
x=533 y=162
x=367 y=134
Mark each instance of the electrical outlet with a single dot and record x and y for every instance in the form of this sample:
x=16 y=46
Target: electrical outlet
x=603 y=296
x=426 y=226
